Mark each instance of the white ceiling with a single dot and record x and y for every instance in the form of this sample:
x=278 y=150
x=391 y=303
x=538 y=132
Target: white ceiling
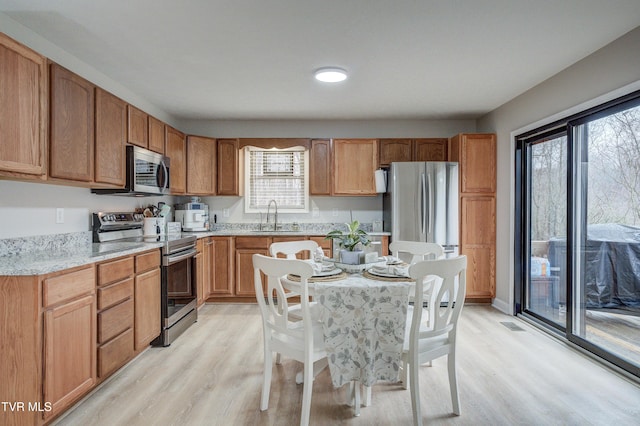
x=254 y=59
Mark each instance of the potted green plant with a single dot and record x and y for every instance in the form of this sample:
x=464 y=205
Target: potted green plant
x=350 y=241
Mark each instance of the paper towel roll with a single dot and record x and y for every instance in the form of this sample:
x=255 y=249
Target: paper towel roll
x=381 y=180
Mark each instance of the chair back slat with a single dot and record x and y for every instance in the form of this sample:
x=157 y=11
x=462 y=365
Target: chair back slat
x=417 y=250
x=290 y=248
x=445 y=296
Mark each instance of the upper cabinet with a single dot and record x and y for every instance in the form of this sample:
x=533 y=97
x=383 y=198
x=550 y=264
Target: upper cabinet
x=175 y=150
x=71 y=137
x=476 y=154
x=156 y=135
x=354 y=164
x=229 y=167
x=429 y=149
x=201 y=165
x=111 y=136
x=137 y=127
x=23 y=108
x=320 y=167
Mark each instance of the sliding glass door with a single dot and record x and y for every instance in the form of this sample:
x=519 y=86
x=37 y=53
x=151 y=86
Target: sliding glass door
x=578 y=229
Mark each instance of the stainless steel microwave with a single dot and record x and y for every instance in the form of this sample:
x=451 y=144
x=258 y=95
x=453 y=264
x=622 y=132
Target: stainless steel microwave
x=147 y=174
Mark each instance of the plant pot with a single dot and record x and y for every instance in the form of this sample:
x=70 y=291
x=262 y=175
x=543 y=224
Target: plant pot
x=350 y=257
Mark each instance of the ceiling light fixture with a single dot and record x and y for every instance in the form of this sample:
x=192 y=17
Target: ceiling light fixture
x=331 y=74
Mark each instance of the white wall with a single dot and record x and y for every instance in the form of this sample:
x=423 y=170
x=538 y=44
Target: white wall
x=604 y=75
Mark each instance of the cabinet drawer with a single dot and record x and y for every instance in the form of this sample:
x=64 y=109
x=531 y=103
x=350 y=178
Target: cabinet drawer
x=68 y=286
x=115 y=354
x=114 y=293
x=115 y=320
x=252 y=242
x=147 y=261
x=116 y=270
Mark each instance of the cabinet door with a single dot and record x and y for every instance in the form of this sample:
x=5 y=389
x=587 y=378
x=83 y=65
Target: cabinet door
x=395 y=150
x=201 y=165
x=354 y=164
x=147 y=308
x=71 y=139
x=477 y=157
x=430 y=150
x=244 y=271
x=477 y=242
x=320 y=167
x=228 y=167
x=176 y=152
x=111 y=119
x=69 y=352
x=221 y=277
x=156 y=135
x=137 y=127
x=23 y=108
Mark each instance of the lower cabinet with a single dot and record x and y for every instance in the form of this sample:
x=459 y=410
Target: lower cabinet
x=69 y=338
x=220 y=261
x=147 y=296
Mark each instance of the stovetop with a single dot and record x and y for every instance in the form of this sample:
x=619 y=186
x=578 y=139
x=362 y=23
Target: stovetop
x=112 y=227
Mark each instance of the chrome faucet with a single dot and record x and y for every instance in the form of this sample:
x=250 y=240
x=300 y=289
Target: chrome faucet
x=275 y=221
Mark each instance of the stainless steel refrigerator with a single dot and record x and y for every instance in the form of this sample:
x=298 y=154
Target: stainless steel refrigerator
x=421 y=203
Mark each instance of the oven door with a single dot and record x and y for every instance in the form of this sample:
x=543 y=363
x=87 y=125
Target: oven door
x=179 y=282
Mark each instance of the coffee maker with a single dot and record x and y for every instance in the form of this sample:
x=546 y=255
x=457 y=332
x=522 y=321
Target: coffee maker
x=192 y=216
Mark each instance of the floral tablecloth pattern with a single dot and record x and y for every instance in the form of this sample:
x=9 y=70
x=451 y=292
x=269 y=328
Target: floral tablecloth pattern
x=364 y=327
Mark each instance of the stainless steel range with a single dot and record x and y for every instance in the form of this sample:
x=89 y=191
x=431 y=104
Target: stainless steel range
x=178 y=287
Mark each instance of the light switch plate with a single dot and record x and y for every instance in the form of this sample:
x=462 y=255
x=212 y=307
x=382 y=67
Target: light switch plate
x=59 y=215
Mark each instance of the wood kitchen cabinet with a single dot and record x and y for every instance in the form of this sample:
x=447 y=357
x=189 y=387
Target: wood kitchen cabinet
x=320 y=167
x=246 y=247
x=156 y=135
x=176 y=151
x=229 y=167
x=115 y=314
x=147 y=296
x=221 y=260
x=476 y=155
x=201 y=165
x=71 y=136
x=137 y=127
x=69 y=318
x=23 y=108
x=111 y=136
x=426 y=149
x=354 y=164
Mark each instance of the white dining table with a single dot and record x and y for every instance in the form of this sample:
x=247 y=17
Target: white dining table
x=364 y=321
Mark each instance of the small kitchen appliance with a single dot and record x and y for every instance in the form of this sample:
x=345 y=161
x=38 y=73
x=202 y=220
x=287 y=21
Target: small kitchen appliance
x=194 y=217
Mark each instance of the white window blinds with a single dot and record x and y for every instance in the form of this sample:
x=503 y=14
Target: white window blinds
x=277 y=174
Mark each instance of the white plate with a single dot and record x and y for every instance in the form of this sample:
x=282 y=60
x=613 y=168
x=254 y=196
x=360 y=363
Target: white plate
x=335 y=271
x=385 y=275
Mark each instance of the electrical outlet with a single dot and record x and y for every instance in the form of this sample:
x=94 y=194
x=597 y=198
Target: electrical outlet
x=316 y=212
x=334 y=212
x=59 y=215
x=225 y=212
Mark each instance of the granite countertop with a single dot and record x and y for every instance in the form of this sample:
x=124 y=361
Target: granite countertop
x=39 y=262
x=51 y=253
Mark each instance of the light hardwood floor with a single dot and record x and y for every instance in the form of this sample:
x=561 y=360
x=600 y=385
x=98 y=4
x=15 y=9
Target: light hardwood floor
x=212 y=375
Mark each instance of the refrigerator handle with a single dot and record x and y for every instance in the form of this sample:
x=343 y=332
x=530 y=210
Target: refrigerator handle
x=431 y=207
x=424 y=205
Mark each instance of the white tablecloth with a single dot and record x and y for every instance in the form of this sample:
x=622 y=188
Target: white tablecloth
x=364 y=326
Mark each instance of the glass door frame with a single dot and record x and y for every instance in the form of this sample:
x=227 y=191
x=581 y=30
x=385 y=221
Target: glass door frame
x=522 y=220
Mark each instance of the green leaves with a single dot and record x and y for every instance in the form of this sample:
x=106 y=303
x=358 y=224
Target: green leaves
x=349 y=240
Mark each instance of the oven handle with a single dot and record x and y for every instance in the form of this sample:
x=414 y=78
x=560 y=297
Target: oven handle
x=170 y=260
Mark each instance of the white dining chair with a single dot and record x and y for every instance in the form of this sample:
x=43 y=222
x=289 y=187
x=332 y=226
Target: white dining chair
x=435 y=336
x=301 y=340
x=415 y=251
